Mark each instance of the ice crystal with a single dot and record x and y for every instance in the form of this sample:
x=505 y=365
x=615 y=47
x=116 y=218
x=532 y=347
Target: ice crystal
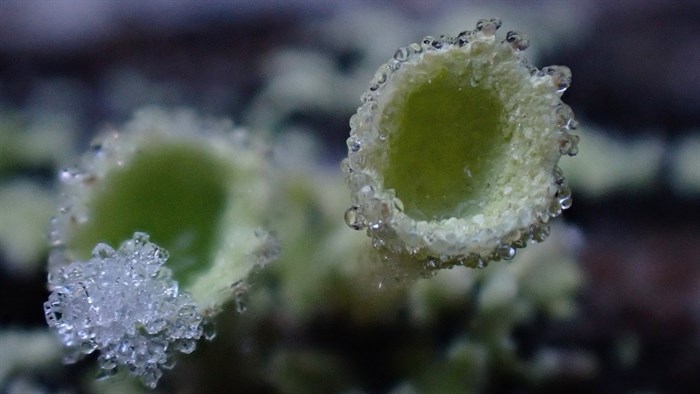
x=125 y=304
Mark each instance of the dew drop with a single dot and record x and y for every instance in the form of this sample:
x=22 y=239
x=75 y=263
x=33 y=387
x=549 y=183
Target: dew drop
x=488 y=26
x=106 y=373
x=427 y=43
x=102 y=251
x=150 y=377
x=354 y=143
x=555 y=209
x=517 y=40
x=402 y=54
x=561 y=77
x=186 y=346
x=345 y=166
x=353 y=218
x=464 y=37
x=106 y=361
x=506 y=252
x=564 y=117
x=540 y=233
x=565 y=202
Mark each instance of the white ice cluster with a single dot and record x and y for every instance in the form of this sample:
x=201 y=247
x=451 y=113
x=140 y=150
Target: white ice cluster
x=125 y=304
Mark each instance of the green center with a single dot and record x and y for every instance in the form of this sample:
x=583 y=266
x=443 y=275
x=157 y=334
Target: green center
x=444 y=146
x=175 y=193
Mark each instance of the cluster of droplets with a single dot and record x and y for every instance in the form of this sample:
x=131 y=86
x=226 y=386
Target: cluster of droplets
x=373 y=207
x=124 y=304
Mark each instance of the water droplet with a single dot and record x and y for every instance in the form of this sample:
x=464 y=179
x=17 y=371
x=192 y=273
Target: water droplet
x=561 y=77
x=427 y=43
x=402 y=54
x=564 y=117
x=106 y=361
x=415 y=48
x=506 y=252
x=353 y=219
x=380 y=77
x=186 y=346
x=517 y=40
x=150 y=377
x=481 y=263
x=565 y=202
x=464 y=37
x=106 y=373
x=102 y=251
x=488 y=26
x=540 y=232
x=345 y=166
x=354 y=143
x=555 y=208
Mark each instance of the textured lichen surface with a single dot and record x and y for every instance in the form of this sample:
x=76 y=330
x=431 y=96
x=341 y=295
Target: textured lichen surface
x=176 y=193
x=452 y=157
x=197 y=187
x=443 y=146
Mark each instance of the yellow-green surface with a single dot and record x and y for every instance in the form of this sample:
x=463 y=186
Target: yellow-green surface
x=173 y=192
x=444 y=145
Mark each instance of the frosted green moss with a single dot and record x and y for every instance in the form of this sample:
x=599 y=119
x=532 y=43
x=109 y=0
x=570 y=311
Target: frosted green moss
x=452 y=157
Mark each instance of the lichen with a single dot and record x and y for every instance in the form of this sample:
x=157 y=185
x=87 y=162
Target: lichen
x=452 y=157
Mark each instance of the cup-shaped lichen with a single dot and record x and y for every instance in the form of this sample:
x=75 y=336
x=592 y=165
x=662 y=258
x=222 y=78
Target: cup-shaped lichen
x=194 y=186
x=452 y=156
x=169 y=187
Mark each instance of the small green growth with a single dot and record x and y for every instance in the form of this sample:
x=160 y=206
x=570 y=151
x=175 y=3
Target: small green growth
x=175 y=193
x=444 y=145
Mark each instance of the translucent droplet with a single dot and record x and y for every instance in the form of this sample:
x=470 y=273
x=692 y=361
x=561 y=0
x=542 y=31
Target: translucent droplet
x=554 y=208
x=186 y=346
x=379 y=78
x=561 y=77
x=488 y=26
x=345 y=166
x=565 y=202
x=102 y=251
x=481 y=263
x=564 y=117
x=517 y=40
x=540 y=233
x=464 y=37
x=427 y=43
x=402 y=54
x=353 y=219
x=106 y=361
x=105 y=373
x=150 y=377
x=506 y=252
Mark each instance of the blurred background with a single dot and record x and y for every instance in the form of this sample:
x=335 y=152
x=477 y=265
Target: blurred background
x=71 y=68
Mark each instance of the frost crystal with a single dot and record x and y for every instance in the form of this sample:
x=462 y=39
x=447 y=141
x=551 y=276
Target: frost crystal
x=125 y=304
